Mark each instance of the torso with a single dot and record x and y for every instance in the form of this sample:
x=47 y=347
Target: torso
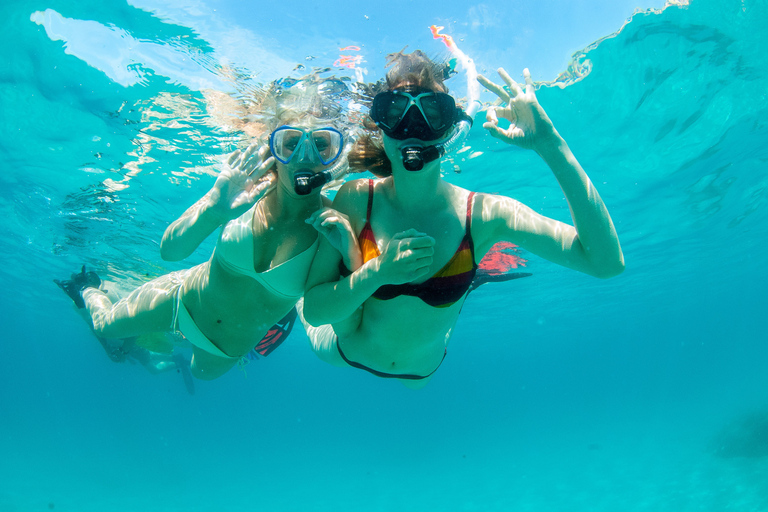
x=255 y=279
x=404 y=334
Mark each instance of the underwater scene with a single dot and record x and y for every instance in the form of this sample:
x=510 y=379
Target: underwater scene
x=559 y=391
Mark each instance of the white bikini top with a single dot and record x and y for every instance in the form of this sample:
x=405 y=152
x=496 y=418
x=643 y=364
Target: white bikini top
x=235 y=251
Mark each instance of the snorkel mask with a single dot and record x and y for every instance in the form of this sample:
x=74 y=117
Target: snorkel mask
x=322 y=144
x=426 y=116
x=403 y=115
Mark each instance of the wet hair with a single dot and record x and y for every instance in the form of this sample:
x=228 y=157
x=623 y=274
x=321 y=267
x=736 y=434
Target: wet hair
x=368 y=155
x=303 y=101
x=414 y=69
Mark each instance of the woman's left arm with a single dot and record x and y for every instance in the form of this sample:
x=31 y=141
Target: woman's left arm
x=591 y=245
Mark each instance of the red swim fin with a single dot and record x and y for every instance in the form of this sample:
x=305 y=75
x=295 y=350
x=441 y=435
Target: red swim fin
x=498 y=263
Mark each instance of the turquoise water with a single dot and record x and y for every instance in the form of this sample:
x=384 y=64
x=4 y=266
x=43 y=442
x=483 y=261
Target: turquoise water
x=647 y=392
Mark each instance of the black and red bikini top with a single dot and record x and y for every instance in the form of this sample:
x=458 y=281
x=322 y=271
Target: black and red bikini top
x=443 y=289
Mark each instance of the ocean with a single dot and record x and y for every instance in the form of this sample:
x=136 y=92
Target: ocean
x=645 y=392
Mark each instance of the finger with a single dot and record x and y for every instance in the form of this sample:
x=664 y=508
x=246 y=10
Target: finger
x=261 y=189
x=248 y=165
x=252 y=150
x=253 y=157
x=415 y=243
x=265 y=166
x=507 y=113
x=251 y=165
x=269 y=178
x=514 y=88
x=323 y=217
x=233 y=158
x=529 y=87
x=325 y=213
x=496 y=89
x=422 y=264
x=421 y=268
x=420 y=254
x=495 y=131
x=311 y=219
x=416 y=257
x=509 y=135
x=491 y=116
x=330 y=222
x=407 y=234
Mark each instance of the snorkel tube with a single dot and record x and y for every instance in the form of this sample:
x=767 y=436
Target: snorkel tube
x=304 y=181
x=415 y=156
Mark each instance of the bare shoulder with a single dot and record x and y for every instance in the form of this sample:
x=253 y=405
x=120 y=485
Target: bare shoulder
x=496 y=218
x=352 y=198
x=488 y=207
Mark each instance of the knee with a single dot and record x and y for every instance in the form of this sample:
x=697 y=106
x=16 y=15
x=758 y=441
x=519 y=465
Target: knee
x=204 y=368
x=101 y=326
x=324 y=344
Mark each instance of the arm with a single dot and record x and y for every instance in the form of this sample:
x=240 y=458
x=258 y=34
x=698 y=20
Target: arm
x=337 y=231
x=591 y=245
x=244 y=180
x=332 y=299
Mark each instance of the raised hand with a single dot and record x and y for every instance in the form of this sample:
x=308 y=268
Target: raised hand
x=245 y=179
x=335 y=227
x=529 y=124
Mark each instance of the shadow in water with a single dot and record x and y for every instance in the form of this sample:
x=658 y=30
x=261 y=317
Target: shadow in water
x=745 y=436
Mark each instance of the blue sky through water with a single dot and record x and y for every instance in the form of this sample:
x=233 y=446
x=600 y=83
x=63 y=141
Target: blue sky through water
x=270 y=39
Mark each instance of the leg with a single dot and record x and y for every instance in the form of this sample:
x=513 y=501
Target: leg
x=148 y=308
x=206 y=366
x=323 y=340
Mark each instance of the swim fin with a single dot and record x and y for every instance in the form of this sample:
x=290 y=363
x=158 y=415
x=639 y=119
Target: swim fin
x=77 y=283
x=482 y=277
x=182 y=365
x=496 y=265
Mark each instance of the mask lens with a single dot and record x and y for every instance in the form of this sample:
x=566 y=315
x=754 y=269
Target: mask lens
x=324 y=143
x=327 y=143
x=285 y=142
x=439 y=110
x=395 y=109
x=389 y=109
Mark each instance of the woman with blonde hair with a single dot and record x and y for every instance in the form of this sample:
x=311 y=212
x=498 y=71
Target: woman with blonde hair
x=258 y=269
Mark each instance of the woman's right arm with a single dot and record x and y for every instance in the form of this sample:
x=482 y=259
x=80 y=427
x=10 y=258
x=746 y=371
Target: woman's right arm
x=239 y=186
x=187 y=232
x=331 y=299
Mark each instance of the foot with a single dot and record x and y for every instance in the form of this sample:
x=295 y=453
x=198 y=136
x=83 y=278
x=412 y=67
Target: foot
x=74 y=287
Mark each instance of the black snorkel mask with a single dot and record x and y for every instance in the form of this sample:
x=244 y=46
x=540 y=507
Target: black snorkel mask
x=426 y=116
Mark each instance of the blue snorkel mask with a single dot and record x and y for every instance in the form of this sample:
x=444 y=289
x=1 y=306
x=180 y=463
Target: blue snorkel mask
x=321 y=144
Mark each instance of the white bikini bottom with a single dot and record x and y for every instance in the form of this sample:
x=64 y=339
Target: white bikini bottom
x=182 y=322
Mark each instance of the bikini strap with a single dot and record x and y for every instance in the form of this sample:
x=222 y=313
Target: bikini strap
x=370 y=201
x=468 y=223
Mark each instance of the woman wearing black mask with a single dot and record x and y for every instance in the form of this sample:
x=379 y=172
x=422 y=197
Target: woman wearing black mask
x=421 y=237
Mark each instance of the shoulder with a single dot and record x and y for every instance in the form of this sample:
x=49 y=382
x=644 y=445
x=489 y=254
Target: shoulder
x=500 y=218
x=352 y=197
x=490 y=207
